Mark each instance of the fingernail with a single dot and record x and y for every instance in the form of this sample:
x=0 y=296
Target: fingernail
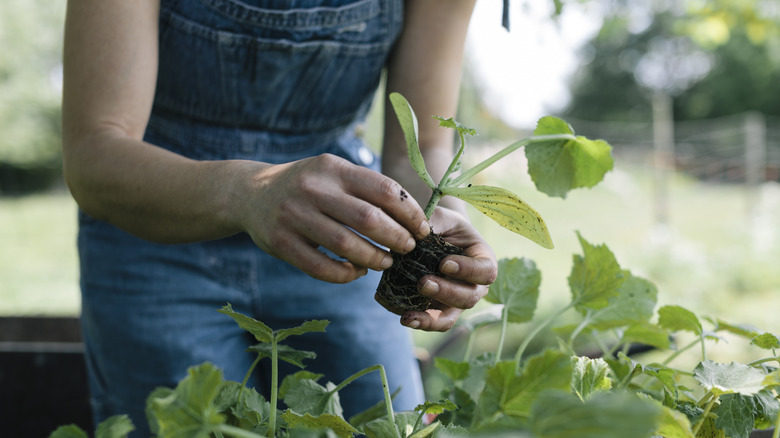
x=410 y=244
x=449 y=267
x=414 y=324
x=430 y=287
x=387 y=261
x=425 y=229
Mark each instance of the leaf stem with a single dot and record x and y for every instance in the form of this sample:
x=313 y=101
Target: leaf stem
x=467 y=175
x=246 y=377
x=704 y=415
x=469 y=344
x=502 y=336
x=584 y=323
x=274 y=387
x=545 y=323
x=432 y=202
x=385 y=389
x=680 y=351
x=237 y=432
x=764 y=360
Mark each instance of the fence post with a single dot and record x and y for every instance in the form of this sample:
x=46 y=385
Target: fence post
x=755 y=160
x=663 y=147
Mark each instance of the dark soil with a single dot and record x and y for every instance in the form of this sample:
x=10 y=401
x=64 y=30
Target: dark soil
x=397 y=290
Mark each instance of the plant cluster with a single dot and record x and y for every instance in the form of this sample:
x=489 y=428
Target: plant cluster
x=555 y=393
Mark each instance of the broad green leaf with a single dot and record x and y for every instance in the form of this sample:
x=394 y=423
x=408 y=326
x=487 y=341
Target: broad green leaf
x=512 y=394
x=767 y=408
x=595 y=277
x=408 y=121
x=259 y=330
x=464 y=415
x=292 y=380
x=730 y=378
x=667 y=376
x=589 y=376
x=743 y=330
x=309 y=397
x=633 y=304
x=438 y=407
x=767 y=341
x=284 y=352
x=189 y=410
x=557 y=166
x=735 y=415
x=382 y=428
x=69 y=431
x=673 y=424
x=157 y=393
x=306 y=421
x=676 y=318
x=454 y=370
x=244 y=407
x=117 y=426
x=772 y=379
x=557 y=414
x=710 y=430
x=317 y=325
x=426 y=431
x=647 y=334
x=507 y=209
x=517 y=288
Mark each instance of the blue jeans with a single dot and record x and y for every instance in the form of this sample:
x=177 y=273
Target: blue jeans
x=238 y=81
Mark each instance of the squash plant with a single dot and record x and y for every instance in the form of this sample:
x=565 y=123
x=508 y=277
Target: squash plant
x=554 y=393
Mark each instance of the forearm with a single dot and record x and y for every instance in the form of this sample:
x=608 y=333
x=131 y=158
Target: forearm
x=151 y=192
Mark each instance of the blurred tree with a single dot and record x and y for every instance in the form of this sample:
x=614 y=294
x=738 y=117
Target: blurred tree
x=30 y=90
x=716 y=58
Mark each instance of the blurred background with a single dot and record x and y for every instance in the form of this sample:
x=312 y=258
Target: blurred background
x=687 y=92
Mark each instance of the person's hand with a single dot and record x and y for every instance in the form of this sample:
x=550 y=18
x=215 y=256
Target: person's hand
x=291 y=209
x=465 y=279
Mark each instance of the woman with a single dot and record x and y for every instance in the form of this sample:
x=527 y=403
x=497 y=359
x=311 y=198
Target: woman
x=211 y=146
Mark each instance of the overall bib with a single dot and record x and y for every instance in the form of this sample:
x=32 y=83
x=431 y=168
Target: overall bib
x=266 y=80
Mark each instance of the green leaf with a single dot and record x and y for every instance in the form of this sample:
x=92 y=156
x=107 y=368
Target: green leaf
x=507 y=209
x=676 y=318
x=589 y=376
x=292 y=380
x=118 y=426
x=767 y=341
x=767 y=408
x=557 y=166
x=772 y=379
x=633 y=304
x=743 y=330
x=673 y=424
x=557 y=414
x=284 y=352
x=735 y=415
x=408 y=121
x=595 y=277
x=729 y=378
x=512 y=394
x=454 y=124
x=382 y=428
x=244 y=407
x=328 y=421
x=438 y=407
x=456 y=371
x=69 y=431
x=647 y=334
x=464 y=415
x=309 y=397
x=313 y=326
x=259 y=330
x=516 y=287
x=189 y=410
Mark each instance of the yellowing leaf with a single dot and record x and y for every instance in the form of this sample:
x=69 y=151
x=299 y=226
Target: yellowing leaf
x=507 y=209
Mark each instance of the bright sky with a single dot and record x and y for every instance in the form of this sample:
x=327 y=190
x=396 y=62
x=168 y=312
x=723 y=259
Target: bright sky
x=524 y=71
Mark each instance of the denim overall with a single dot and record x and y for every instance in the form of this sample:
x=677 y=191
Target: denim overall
x=267 y=80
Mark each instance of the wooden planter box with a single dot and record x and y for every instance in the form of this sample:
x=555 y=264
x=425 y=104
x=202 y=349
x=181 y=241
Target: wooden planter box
x=42 y=376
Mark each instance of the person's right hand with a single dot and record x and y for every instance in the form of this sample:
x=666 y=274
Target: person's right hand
x=291 y=209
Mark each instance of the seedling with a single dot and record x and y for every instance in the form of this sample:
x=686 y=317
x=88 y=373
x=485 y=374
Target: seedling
x=558 y=161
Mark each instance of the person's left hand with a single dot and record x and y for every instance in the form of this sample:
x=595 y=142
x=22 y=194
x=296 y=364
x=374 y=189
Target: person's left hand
x=465 y=278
